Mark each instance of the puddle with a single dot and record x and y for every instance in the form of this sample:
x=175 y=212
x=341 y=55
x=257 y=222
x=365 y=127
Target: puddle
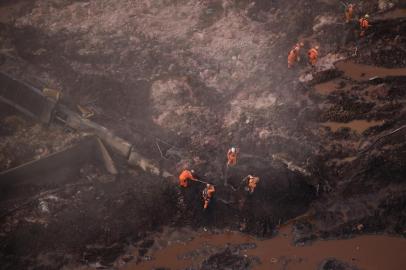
x=358 y=125
x=192 y=253
x=362 y=72
x=370 y=252
x=327 y=88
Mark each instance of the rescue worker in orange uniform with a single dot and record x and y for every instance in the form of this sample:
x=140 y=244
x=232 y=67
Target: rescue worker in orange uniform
x=364 y=25
x=312 y=54
x=250 y=183
x=231 y=156
x=185 y=176
x=207 y=195
x=349 y=12
x=293 y=55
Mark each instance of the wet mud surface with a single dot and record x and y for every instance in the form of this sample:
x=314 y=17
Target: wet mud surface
x=365 y=72
x=185 y=80
x=365 y=252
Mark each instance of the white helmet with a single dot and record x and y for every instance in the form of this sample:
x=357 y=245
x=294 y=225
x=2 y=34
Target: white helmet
x=233 y=149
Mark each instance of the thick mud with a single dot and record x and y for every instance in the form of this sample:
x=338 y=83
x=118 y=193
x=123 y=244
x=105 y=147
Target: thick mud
x=372 y=252
x=183 y=81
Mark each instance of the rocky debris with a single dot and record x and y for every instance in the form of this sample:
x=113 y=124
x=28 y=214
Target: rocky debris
x=334 y=264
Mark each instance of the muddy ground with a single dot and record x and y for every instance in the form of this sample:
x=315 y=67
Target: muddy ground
x=198 y=77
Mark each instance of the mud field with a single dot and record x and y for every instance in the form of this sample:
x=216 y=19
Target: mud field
x=182 y=81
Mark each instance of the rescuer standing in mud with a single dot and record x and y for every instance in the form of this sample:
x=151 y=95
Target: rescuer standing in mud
x=364 y=25
x=294 y=54
x=207 y=195
x=312 y=55
x=186 y=176
x=349 y=12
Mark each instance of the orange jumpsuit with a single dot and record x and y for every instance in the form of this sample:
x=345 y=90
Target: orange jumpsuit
x=207 y=195
x=364 y=25
x=312 y=54
x=231 y=158
x=349 y=11
x=293 y=56
x=184 y=177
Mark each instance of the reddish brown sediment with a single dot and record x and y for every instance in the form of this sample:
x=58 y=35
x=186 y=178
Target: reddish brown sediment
x=365 y=72
x=358 y=126
x=372 y=252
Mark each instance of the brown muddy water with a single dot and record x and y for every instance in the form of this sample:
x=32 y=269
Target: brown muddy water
x=368 y=252
x=362 y=72
x=327 y=88
x=357 y=125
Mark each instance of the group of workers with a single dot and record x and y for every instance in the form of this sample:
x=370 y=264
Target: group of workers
x=294 y=55
x=363 y=21
x=249 y=183
x=313 y=52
